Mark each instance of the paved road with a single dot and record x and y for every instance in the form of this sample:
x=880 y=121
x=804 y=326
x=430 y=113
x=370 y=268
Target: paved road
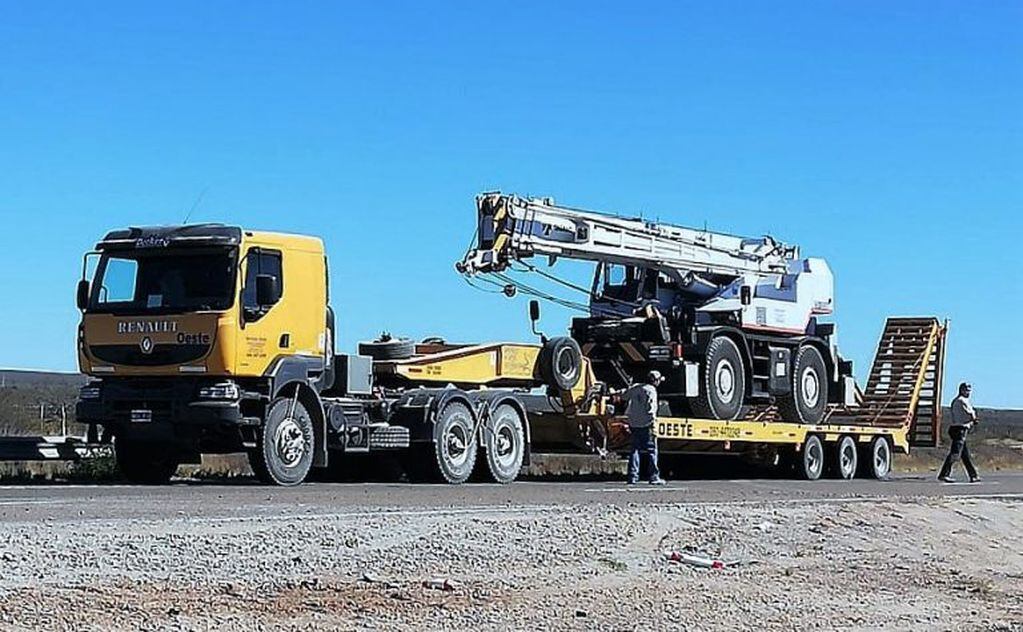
x=34 y=503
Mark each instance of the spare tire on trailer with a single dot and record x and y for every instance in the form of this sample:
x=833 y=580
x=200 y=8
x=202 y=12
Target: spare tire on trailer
x=388 y=348
x=560 y=363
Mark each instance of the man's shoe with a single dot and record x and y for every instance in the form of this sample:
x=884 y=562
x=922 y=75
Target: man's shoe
x=631 y=482
x=658 y=481
x=946 y=479
x=975 y=479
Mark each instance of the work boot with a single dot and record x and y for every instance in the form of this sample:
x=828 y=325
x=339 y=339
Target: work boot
x=946 y=479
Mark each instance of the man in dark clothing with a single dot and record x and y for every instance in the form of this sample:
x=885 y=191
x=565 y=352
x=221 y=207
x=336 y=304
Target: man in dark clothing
x=641 y=411
x=963 y=419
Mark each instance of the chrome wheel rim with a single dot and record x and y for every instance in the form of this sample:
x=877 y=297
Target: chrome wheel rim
x=810 y=387
x=724 y=381
x=814 y=458
x=289 y=442
x=847 y=458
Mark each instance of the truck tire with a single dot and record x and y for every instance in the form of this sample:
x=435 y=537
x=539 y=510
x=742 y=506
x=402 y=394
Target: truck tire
x=809 y=397
x=284 y=447
x=876 y=459
x=844 y=458
x=505 y=443
x=811 y=460
x=454 y=443
x=560 y=362
x=722 y=383
x=144 y=463
x=388 y=349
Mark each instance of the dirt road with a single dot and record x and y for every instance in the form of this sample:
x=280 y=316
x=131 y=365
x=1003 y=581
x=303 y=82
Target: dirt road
x=908 y=554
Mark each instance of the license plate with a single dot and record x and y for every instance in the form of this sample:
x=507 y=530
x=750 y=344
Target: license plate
x=141 y=415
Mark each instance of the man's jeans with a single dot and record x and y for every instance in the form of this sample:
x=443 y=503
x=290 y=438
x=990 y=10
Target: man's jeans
x=644 y=444
x=958 y=450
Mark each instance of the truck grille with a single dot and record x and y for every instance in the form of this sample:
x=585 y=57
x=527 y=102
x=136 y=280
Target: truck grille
x=162 y=354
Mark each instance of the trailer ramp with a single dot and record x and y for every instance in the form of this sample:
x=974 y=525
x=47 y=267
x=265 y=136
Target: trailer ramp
x=905 y=383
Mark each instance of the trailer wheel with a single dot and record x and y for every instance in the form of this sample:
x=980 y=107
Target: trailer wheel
x=844 y=458
x=809 y=397
x=876 y=460
x=724 y=381
x=560 y=362
x=144 y=463
x=811 y=462
x=505 y=443
x=284 y=447
x=454 y=443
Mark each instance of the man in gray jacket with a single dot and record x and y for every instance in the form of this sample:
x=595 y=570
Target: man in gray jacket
x=963 y=419
x=641 y=411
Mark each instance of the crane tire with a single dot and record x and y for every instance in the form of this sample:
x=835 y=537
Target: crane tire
x=454 y=443
x=722 y=383
x=808 y=398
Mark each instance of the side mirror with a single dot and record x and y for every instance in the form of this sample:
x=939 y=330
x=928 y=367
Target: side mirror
x=534 y=310
x=268 y=290
x=82 y=296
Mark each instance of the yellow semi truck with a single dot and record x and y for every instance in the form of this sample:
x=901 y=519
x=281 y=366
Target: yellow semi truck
x=215 y=339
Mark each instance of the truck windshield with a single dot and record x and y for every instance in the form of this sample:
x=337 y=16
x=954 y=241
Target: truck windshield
x=144 y=282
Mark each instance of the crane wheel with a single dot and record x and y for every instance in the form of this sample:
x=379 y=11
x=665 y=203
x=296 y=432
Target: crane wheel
x=560 y=363
x=284 y=448
x=811 y=460
x=844 y=458
x=144 y=463
x=454 y=443
x=876 y=459
x=505 y=443
x=809 y=396
x=723 y=383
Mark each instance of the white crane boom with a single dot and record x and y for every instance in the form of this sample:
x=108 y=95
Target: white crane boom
x=513 y=228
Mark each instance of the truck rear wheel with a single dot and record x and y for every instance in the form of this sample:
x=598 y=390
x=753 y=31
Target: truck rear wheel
x=284 y=448
x=454 y=443
x=505 y=443
x=723 y=383
x=811 y=461
x=844 y=458
x=809 y=397
x=876 y=459
x=144 y=463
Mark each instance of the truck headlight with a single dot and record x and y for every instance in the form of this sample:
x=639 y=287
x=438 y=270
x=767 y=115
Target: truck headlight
x=89 y=391
x=224 y=390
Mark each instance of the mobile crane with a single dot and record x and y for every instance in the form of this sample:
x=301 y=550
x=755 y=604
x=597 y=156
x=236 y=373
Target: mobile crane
x=728 y=320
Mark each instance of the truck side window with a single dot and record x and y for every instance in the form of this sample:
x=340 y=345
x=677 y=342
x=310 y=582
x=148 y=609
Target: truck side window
x=260 y=262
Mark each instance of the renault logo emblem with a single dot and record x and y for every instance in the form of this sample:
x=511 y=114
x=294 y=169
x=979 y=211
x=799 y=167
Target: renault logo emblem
x=146 y=345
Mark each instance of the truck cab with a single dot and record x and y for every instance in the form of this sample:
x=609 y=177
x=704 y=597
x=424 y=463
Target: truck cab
x=196 y=337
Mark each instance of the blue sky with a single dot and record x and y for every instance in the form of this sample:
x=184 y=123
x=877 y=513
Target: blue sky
x=885 y=137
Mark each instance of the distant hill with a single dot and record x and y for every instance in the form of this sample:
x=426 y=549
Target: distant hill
x=22 y=378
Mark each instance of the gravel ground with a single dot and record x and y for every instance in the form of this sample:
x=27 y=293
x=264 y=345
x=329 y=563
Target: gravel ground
x=910 y=565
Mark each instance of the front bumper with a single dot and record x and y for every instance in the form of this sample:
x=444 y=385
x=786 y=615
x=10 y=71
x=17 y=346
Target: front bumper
x=155 y=403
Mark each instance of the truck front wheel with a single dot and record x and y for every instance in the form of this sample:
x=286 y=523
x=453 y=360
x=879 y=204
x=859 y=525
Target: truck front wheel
x=144 y=463
x=284 y=447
